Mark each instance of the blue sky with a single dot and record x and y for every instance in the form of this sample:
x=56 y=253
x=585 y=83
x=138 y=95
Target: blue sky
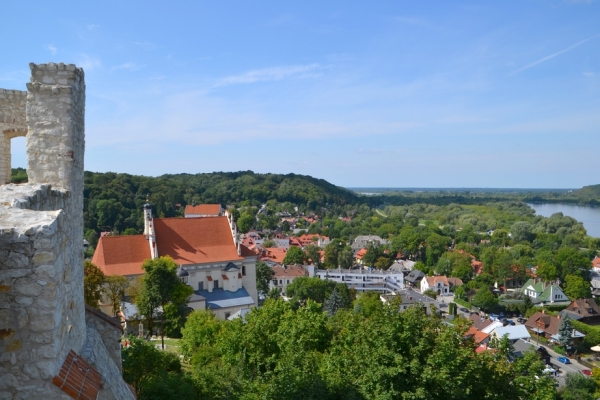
x=393 y=94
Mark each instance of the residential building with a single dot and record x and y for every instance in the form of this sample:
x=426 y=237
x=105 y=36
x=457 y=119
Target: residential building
x=203 y=210
x=216 y=265
x=540 y=292
x=409 y=298
x=314 y=239
x=363 y=241
x=284 y=275
x=358 y=257
x=513 y=332
x=365 y=280
x=584 y=310
x=544 y=325
x=440 y=284
x=480 y=338
x=405 y=266
x=479 y=322
x=414 y=278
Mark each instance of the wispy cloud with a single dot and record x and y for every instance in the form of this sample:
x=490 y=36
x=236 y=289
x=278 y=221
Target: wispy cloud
x=88 y=62
x=589 y=74
x=551 y=56
x=129 y=66
x=52 y=49
x=91 y=27
x=273 y=74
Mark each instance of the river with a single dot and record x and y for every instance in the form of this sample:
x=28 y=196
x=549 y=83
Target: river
x=589 y=216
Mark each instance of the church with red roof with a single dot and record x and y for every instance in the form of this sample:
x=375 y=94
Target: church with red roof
x=212 y=258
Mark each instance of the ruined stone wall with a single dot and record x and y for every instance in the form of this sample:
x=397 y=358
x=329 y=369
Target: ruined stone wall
x=42 y=313
x=12 y=124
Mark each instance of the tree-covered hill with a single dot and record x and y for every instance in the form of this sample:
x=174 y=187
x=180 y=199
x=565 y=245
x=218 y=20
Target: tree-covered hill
x=588 y=192
x=113 y=201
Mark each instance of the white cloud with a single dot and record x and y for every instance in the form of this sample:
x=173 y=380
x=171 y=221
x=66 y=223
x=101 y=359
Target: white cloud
x=272 y=74
x=589 y=74
x=91 y=27
x=129 y=66
x=88 y=62
x=52 y=49
x=551 y=56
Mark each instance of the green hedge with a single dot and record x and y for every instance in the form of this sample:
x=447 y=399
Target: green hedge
x=592 y=334
x=462 y=303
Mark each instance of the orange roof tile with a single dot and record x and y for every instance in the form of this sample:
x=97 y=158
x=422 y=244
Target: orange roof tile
x=276 y=254
x=195 y=240
x=203 y=209
x=361 y=253
x=78 y=379
x=121 y=255
x=290 y=270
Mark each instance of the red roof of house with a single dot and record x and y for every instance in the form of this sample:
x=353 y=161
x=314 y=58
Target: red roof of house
x=596 y=262
x=121 y=255
x=477 y=266
x=276 y=254
x=432 y=280
x=361 y=253
x=78 y=379
x=289 y=271
x=203 y=209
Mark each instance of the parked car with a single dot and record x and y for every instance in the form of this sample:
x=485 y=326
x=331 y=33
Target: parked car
x=564 y=360
x=504 y=321
x=586 y=372
x=463 y=309
x=511 y=322
x=521 y=320
x=501 y=314
x=494 y=317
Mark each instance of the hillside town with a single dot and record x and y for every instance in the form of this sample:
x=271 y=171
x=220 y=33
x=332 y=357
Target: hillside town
x=232 y=272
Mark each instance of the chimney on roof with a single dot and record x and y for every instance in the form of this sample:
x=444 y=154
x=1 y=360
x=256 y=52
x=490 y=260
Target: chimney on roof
x=543 y=311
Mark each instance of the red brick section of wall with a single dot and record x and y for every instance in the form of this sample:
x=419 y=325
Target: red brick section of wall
x=78 y=379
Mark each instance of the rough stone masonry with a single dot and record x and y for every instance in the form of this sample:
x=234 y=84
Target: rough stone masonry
x=42 y=311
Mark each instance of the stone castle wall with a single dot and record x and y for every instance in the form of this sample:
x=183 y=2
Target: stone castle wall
x=42 y=309
x=12 y=124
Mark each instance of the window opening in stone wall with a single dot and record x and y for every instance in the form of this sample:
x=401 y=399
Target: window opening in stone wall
x=18 y=158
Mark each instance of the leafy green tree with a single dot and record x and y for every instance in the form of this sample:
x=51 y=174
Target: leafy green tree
x=572 y=262
x=346 y=257
x=484 y=299
x=372 y=255
x=430 y=293
x=368 y=304
x=312 y=252
x=93 y=281
x=201 y=330
x=504 y=266
x=129 y=231
x=332 y=251
x=159 y=288
x=269 y=243
x=577 y=288
x=245 y=222
x=547 y=272
x=383 y=263
x=579 y=387
x=115 y=291
x=408 y=241
x=522 y=231
x=294 y=255
x=274 y=294
x=436 y=246
x=154 y=373
x=264 y=274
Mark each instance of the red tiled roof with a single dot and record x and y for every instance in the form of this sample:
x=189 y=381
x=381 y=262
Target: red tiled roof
x=121 y=255
x=432 y=280
x=480 y=336
x=195 y=240
x=225 y=278
x=361 y=253
x=78 y=379
x=276 y=254
x=477 y=266
x=203 y=209
x=596 y=262
x=290 y=270
x=478 y=322
x=209 y=278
